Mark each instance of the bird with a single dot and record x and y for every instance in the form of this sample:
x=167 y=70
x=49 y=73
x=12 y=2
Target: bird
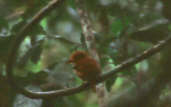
x=86 y=67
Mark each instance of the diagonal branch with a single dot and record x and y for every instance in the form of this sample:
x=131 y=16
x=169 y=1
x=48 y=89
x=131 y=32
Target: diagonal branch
x=147 y=53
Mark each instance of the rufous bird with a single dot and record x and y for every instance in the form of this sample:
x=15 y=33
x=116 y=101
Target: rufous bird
x=86 y=67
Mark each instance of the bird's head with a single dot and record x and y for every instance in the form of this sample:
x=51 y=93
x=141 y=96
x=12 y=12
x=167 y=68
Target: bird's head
x=76 y=56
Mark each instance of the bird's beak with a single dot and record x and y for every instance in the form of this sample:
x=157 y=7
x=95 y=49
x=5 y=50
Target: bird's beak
x=69 y=61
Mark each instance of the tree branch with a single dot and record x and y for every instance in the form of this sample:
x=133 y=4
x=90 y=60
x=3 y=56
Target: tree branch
x=147 y=53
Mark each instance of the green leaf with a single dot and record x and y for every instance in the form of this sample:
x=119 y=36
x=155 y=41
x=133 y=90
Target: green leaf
x=35 y=68
x=43 y=23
